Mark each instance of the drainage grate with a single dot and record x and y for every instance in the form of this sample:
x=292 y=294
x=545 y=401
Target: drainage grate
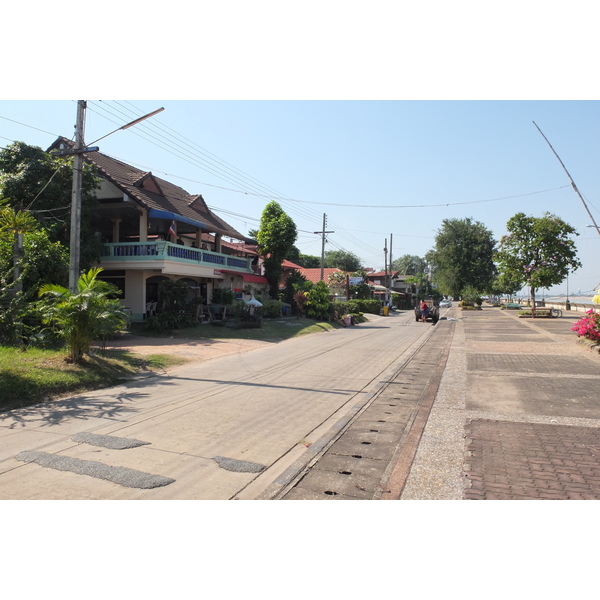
x=119 y=475
x=108 y=441
x=238 y=466
x=359 y=463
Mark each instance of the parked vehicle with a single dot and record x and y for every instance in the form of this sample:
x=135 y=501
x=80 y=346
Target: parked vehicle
x=432 y=315
x=445 y=304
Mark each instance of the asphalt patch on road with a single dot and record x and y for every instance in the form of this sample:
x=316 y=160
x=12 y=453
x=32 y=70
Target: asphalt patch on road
x=238 y=466
x=108 y=441
x=119 y=475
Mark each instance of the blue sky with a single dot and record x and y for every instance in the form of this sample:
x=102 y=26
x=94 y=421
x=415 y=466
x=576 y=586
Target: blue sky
x=387 y=119
x=380 y=170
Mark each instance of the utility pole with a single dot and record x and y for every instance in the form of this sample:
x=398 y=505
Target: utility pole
x=385 y=252
x=75 y=240
x=569 y=175
x=389 y=284
x=77 y=153
x=323 y=233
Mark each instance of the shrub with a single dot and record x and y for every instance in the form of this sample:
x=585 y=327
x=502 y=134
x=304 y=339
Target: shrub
x=369 y=306
x=317 y=301
x=272 y=308
x=223 y=296
x=588 y=327
x=471 y=297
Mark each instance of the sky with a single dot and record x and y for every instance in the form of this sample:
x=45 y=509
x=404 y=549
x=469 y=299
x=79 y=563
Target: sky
x=386 y=120
x=384 y=173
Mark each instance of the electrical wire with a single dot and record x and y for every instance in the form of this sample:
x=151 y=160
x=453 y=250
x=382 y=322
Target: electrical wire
x=30 y=126
x=221 y=169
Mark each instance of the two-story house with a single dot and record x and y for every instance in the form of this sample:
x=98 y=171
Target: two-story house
x=152 y=230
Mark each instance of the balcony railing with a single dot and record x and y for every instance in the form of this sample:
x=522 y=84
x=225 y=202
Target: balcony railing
x=143 y=251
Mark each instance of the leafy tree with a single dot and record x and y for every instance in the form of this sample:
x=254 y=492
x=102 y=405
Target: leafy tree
x=28 y=259
x=38 y=182
x=343 y=260
x=308 y=261
x=42 y=261
x=85 y=316
x=409 y=264
x=15 y=224
x=462 y=257
x=504 y=285
x=420 y=282
x=360 y=290
x=471 y=296
x=317 y=301
x=293 y=255
x=537 y=252
x=294 y=282
x=275 y=237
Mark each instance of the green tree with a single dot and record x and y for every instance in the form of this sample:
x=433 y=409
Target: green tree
x=409 y=264
x=83 y=317
x=317 y=301
x=537 y=252
x=28 y=259
x=308 y=261
x=462 y=256
x=15 y=224
x=504 y=285
x=38 y=182
x=343 y=260
x=294 y=282
x=420 y=282
x=275 y=237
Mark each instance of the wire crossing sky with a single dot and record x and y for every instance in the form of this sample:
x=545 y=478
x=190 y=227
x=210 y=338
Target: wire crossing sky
x=384 y=172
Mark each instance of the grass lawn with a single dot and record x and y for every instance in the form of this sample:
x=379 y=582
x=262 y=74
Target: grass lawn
x=35 y=375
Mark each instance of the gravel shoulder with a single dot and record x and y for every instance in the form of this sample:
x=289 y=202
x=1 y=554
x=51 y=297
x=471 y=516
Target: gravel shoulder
x=191 y=350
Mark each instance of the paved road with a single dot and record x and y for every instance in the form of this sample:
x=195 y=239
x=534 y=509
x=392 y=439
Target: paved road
x=492 y=407
x=482 y=406
x=224 y=429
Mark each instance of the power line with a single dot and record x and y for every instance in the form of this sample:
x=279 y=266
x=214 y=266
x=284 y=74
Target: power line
x=237 y=176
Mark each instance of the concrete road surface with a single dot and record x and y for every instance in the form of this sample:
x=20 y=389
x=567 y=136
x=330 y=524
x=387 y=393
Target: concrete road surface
x=224 y=429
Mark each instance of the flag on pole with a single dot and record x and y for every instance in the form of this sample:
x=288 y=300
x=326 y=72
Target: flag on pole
x=172 y=229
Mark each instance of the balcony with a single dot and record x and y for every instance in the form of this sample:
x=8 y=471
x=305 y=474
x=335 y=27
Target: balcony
x=156 y=254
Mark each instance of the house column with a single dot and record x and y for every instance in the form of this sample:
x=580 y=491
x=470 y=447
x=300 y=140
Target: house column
x=116 y=230
x=198 y=238
x=217 y=242
x=144 y=226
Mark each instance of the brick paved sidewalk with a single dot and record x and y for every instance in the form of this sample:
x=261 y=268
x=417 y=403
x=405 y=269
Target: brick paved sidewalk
x=532 y=461
x=517 y=415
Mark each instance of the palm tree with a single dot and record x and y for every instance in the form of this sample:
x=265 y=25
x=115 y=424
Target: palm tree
x=85 y=316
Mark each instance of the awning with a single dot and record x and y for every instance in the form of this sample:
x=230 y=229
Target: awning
x=246 y=276
x=255 y=279
x=154 y=213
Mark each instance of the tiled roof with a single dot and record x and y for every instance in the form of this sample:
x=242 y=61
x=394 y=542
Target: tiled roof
x=314 y=275
x=287 y=264
x=153 y=192
x=371 y=274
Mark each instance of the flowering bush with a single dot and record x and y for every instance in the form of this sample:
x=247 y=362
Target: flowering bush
x=589 y=327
